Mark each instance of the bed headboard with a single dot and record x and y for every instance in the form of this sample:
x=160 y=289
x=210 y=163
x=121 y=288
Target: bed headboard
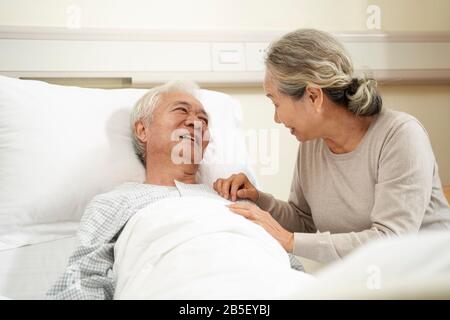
x=231 y=58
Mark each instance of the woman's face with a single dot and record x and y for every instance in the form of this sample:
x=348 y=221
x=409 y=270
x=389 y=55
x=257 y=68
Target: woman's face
x=302 y=117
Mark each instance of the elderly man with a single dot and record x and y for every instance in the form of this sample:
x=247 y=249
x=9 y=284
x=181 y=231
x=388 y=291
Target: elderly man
x=170 y=134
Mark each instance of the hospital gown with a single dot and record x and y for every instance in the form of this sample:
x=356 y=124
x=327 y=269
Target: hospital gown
x=89 y=274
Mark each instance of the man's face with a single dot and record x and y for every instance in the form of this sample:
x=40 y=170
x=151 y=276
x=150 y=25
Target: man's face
x=179 y=128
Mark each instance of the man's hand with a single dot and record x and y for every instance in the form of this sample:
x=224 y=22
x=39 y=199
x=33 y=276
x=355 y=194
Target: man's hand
x=253 y=213
x=236 y=186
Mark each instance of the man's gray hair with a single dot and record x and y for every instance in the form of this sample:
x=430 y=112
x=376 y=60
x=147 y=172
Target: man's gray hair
x=145 y=106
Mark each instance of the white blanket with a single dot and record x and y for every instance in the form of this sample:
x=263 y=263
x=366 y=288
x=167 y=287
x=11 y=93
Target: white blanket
x=195 y=248
x=415 y=266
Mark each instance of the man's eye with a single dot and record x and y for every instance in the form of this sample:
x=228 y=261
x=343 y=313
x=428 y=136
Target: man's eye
x=181 y=109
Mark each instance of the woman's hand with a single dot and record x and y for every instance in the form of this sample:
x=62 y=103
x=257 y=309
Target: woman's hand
x=236 y=186
x=253 y=213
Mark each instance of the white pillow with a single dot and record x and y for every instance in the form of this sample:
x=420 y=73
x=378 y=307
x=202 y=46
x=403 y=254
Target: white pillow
x=60 y=146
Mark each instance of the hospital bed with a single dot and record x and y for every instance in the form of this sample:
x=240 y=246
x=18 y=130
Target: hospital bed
x=39 y=217
x=61 y=146
x=27 y=272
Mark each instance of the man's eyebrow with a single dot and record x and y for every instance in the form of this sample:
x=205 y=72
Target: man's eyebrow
x=185 y=103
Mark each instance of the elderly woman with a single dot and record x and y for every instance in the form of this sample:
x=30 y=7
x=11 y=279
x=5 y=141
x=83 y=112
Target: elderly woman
x=362 y=172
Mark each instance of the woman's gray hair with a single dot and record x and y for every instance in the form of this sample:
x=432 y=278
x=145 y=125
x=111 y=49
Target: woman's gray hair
x=312 y=57
x=144 y=107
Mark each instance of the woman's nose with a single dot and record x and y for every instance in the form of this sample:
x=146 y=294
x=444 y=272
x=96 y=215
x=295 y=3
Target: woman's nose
x=275 y=118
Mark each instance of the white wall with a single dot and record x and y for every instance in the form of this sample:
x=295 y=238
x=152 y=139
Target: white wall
x=343 y=15
x=431 y=104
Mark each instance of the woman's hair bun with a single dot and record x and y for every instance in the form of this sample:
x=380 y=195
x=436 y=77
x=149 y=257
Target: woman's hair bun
x=363 y=97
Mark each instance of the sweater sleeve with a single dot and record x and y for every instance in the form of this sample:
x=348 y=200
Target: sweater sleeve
x=293 y=215
x=402 y=193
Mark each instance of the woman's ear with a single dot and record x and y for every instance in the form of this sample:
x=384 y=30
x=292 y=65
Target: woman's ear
x=315 y=97
x=140 y=131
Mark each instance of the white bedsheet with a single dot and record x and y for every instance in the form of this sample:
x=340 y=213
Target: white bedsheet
x=195 y=248
x=28 y=272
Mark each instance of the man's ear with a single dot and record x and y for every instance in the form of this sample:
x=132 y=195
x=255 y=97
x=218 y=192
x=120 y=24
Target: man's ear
x=140 y=130
x=315 y=97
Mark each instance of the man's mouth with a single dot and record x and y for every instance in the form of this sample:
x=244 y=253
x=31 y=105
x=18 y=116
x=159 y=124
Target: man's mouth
x=292 y=131
x=187 y=137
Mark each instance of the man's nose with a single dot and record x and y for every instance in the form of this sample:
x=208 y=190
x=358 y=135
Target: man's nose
x=192 y=121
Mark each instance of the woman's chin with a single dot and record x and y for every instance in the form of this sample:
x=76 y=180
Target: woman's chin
x=299 y=137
